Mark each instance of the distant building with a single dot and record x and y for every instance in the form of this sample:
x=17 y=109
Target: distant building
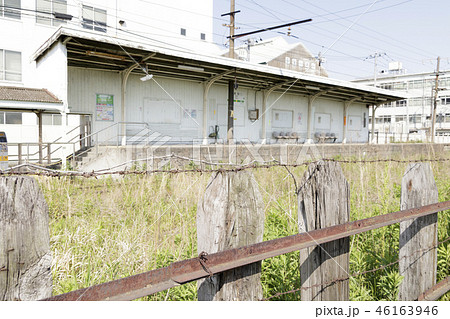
x=277 y=52
x=413 y=114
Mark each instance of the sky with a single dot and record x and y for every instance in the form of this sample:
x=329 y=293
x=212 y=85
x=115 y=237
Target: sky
x=348 y=33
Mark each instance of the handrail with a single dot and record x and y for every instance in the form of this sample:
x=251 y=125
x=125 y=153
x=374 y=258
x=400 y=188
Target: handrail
x=110 y=126
x=81 y=138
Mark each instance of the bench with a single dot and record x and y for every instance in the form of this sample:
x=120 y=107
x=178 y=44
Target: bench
x=322 y=137
x=286 y=136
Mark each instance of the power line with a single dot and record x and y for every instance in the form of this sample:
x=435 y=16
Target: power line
x=362 y=26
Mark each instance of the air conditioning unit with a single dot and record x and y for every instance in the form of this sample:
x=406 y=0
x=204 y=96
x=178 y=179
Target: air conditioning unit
x=395 y=66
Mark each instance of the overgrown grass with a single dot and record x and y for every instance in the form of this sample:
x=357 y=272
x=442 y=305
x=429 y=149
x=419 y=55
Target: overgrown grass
x=110 y=228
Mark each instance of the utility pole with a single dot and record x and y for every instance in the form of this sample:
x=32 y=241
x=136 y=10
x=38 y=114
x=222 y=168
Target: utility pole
x=436 y=90
x=374 y=107
x=375 y=56
x=231 y=83
x=232 y=27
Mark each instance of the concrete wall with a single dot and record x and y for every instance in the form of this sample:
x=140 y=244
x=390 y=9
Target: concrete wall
x=121 y=158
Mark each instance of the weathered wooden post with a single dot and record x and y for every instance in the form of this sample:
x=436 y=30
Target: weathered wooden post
x=231 y=215
x=323 y=201
x=418 y=237
x=25 y=258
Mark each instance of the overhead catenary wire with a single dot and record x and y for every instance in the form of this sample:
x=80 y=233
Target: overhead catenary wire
x=312 y=25
x=394 y=43
x=138 y=33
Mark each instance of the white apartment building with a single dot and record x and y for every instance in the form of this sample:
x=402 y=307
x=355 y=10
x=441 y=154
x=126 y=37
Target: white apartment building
x=413 y=115
x=26 y=24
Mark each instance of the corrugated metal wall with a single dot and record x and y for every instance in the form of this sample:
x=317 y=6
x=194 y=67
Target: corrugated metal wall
x=174 y=109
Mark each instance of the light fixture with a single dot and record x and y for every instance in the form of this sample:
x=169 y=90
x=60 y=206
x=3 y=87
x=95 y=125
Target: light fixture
x=147 y=77
x=105 y=55
x=312 y=87
x=190 y=68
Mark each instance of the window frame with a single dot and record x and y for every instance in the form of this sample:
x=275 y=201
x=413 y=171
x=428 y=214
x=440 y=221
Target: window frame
x=4 y=117
x=3 y=67
x=52 y=20
x=53 y=119
x=13 y=13
x=93 y=23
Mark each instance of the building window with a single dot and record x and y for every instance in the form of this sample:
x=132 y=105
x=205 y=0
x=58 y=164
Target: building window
x=287 y=60
x=183 y=31
x=10 y=66
x=10 y=9
x=445 y=100
x=51 y=119
x=202 y=36
x=46 y=9
x=447 y=118
x=400 y=118
x=10 y=118
x=416 y=84
x=400 y=103
x=94 y=19
x=383 y=119
x=294 y=62
x=399 y=86
x=415 y=119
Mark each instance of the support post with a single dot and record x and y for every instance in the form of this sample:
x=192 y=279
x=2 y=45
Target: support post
x=263 y=117
x=49 y=153
x=25 y=257
x=418 y=237
x=125 y=74
x=19 y=153
x=346 y=106
x=324 y=201
x=374 y=108
x=39 y=115
x=206 y=87
x=230 y=133
x=230 y=215
x=309 y=121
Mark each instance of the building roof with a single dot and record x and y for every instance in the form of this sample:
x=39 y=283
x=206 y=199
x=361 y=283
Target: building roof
x=402 y=76
x=267 y=50
x=88 y=49
x=9 y=93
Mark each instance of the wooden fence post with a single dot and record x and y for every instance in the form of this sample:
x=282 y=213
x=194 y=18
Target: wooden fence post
x=25 y=258
x=418 y=237
x=323 y=201
x=231 y=215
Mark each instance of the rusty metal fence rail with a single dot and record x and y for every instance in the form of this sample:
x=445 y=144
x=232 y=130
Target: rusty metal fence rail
x=182 y=272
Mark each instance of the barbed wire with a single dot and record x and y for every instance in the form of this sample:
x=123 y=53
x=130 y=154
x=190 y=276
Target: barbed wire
x=196 y=166
x=356 y=274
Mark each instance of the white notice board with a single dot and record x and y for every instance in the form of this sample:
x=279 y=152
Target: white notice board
x=161 y=112
x=282 y=118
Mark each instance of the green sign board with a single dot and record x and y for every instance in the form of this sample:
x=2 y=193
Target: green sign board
x=104 y=107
